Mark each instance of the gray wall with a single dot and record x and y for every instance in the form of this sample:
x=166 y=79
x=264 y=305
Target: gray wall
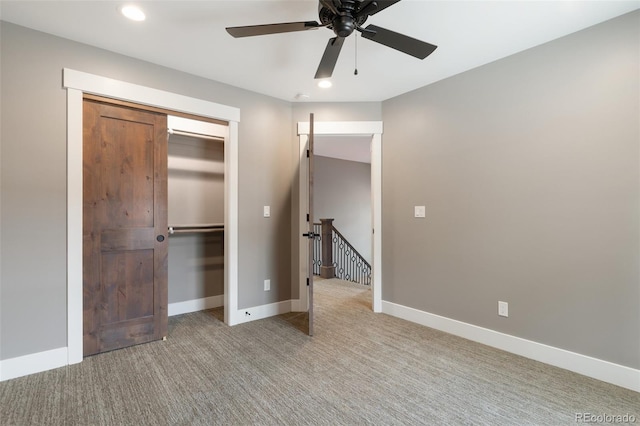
x=195 y=181
x=196 y=266
x=342 y=191
x=528 y=168
x=33 y=176
x=196 y=196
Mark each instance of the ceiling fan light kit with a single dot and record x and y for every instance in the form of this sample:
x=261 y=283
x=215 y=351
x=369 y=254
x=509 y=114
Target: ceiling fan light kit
x=344 y=17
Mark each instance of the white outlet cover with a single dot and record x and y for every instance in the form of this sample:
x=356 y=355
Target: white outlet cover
x=267 y=285
x=419 y=211
x=503 y=309
x=267 y=211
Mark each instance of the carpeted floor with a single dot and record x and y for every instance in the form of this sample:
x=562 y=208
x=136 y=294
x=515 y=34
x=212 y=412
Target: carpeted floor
x=359 y=368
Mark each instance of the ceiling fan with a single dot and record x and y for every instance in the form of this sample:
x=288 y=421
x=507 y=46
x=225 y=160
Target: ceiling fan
x=344 y=17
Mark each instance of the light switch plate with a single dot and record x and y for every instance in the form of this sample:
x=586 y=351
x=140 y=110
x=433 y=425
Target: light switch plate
x=419 y=211
x=267 y=211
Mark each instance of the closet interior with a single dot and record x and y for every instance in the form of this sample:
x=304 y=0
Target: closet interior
x=195 y=185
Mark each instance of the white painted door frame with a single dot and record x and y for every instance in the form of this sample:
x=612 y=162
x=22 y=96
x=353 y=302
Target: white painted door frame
x=343 y=128
x=77 y=83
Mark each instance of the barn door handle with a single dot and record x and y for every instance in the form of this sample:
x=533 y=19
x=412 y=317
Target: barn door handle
x=160 y=238
x=310 y=235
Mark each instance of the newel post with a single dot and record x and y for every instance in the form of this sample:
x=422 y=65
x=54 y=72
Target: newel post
x=327 y=270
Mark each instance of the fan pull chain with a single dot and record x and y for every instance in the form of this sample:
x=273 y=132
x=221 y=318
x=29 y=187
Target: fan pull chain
x=355 y=72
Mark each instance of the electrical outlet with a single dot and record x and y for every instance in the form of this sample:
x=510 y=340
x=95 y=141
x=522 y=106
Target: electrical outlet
x=267 y=285
x=266 y=211
x=419 y=211
x=503 y=309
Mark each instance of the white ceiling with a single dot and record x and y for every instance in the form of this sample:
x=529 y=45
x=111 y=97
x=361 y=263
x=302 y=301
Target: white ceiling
x=190 y=36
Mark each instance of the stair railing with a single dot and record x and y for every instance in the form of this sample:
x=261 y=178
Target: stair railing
x=317 y=249
x=335 y=257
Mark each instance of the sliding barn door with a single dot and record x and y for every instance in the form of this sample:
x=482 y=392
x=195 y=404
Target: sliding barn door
x=124 y=227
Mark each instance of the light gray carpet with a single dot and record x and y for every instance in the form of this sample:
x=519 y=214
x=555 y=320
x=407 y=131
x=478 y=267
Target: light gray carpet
x=359 y=368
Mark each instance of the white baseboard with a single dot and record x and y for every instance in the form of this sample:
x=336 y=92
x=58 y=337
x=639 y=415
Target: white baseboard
x=263 y=311
x=195 y=305
x=606 y=371
x=33 y=363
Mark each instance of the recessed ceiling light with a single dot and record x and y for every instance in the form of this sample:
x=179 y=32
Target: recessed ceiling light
x=325 y=84
x=133 y=12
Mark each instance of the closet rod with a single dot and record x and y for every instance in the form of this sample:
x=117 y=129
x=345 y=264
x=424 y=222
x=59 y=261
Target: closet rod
x=181 y=229
x=195 y=135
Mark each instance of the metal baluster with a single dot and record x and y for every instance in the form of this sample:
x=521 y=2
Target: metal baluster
x=347 y=262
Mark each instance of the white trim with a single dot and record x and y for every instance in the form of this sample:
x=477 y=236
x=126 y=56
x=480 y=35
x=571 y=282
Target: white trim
x=116 y=89
x=78 y=83
x=195 y=305
x=74 y=225
x=231 y=186
x=616 y=374
x=263 y=311
x=342 y=128
x=33 y=363
x=376 y=220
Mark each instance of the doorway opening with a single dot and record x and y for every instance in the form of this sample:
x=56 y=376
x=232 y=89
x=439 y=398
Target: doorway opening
x=360 y=129
x=195 y=182
x=342 y=209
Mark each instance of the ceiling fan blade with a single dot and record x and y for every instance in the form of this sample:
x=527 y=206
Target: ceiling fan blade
x=383 y=4
x=329 y=58
x=287 y=27
x=397 y=41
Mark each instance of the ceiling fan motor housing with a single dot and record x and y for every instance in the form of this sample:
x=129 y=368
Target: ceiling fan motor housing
x=345 y=23
x=343 y=26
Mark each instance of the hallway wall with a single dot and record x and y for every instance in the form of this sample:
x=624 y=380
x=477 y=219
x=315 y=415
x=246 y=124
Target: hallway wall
x=342 y=191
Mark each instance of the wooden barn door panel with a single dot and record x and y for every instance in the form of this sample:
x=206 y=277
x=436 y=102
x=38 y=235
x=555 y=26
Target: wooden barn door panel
x=124 y=227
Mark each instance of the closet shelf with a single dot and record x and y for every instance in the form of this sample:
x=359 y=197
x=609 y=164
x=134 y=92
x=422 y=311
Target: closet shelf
x=195 y=135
